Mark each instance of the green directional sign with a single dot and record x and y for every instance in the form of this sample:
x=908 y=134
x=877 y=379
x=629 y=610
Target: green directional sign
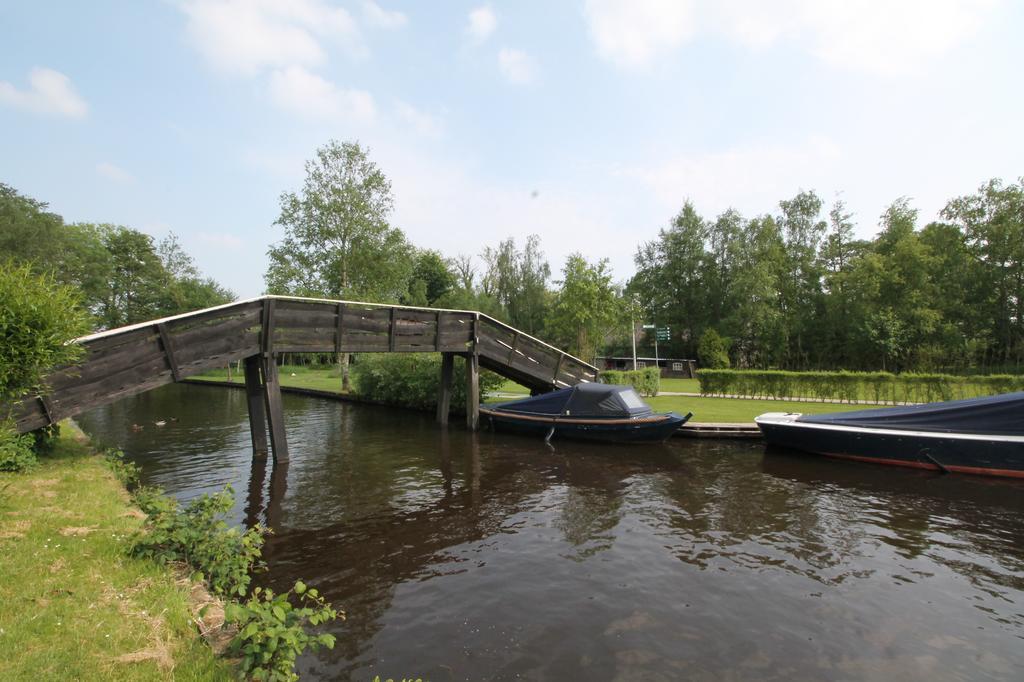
x=663 y=333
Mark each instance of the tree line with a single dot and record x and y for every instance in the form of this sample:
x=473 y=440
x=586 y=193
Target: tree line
x=123 y=276
x=796 y=290
x=792 y=289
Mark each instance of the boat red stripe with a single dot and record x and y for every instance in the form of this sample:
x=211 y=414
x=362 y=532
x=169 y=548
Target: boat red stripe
x=981 y=471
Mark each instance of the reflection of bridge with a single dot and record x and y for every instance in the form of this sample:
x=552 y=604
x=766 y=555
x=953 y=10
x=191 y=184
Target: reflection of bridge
x=129 y=360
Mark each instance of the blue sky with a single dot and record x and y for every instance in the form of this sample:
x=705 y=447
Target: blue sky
x=588 y=123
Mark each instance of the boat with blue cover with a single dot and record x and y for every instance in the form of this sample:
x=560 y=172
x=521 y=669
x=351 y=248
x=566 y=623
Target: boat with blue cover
x=975 y=436
x=590 y=411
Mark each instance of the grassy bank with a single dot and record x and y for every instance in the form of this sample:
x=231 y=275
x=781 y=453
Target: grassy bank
x=74 y=605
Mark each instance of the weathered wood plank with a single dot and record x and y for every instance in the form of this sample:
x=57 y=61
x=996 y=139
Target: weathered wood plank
x=303 y=306
x=275 y=409
x=339 y=331
x=391 y=331
x=267 y=328
x=168 y=345
x=472 y=391
x=223 y=327
x=217 y=346
x=256 y=405
x=294 y=319
x=444 y=397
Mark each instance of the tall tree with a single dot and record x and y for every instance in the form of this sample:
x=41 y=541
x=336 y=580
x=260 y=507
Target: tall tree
x=669 y=282
x=338 y=240
x=518 y=280
x=585 y=308
x=992 y=221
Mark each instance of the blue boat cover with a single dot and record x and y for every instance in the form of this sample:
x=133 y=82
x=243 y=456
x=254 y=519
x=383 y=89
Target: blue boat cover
x=995 y=415
x=583 y=400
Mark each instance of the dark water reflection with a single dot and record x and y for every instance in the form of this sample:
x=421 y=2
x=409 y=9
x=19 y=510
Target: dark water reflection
x=461 y=556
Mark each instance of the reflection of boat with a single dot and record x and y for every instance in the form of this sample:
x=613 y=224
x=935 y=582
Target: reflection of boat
x=590 y=411
x=974 y=436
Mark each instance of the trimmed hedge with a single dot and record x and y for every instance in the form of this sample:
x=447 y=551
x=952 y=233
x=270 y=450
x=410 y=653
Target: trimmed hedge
x=882 y=387
x=646 y=381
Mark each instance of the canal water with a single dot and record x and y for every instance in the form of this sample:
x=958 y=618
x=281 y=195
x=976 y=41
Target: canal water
x=460 y=556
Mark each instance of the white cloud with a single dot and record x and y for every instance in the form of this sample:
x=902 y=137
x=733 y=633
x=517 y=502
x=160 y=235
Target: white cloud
x=420 y=121
x=893 y=37
x=517 y=66
x=297 y=90
x=248 y=36
x=115 y=173
x=751 y=179
x=221 y=239
x=377 y=16
x=883 y=36
x=633 y=33
x=482 y=23
x=49 y=92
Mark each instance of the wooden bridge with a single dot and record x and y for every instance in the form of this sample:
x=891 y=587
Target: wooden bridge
x=129 y=360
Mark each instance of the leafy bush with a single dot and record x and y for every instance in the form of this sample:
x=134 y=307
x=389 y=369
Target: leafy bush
x=713 y=350
x=413 y=379
x=198 y=535
x=272 y=631
x=37 y=319
x=646 y=381
x=125 y=471
x=16 y=453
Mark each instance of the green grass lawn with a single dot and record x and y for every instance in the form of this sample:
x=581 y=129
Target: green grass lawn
x=75 y=607
x=736 y=409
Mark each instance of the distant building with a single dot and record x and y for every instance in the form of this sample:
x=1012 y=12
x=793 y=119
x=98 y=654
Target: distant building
x=676 y=368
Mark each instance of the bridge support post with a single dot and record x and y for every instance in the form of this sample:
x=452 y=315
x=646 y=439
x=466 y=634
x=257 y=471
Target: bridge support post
x=257 y=411
x=444 y=392
x=472 y=391
x=275 y=410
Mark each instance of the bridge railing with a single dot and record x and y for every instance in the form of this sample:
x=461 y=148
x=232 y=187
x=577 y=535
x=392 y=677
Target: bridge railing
x=129 y=360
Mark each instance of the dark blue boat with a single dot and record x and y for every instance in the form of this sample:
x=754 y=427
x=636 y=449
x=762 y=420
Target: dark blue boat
x=974 y=436
x=587 y=411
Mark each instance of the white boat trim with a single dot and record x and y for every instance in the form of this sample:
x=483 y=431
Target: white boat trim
x=783 y=419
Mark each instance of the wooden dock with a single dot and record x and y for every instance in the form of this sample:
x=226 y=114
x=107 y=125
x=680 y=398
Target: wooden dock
x=742 y=430
x=130 y=360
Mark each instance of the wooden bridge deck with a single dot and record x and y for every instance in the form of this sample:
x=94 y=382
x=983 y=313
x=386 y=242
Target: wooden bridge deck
x=129 y=360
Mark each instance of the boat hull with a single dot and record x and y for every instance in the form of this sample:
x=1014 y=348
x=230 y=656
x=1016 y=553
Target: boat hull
x=650 y=429
x=952 y=452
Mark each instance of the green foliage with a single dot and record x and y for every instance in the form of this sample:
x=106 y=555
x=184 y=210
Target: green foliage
x=796 y=290
x=338 y=241
x=272 y=630
x=851 y=386
x=16 y=453
x=38 y=317
x=585 y=308
x=713 y=350
x=198 y=535
x=413 y=379
x=125 y=471
x=646 y=381
x=517 y=279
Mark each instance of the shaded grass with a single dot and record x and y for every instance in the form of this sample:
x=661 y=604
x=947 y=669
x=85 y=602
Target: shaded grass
x=75 y=606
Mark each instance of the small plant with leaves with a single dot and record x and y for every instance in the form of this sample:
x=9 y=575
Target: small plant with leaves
x=199 y=536
x=124 y=470
x=16 y=453
x=272 y=631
